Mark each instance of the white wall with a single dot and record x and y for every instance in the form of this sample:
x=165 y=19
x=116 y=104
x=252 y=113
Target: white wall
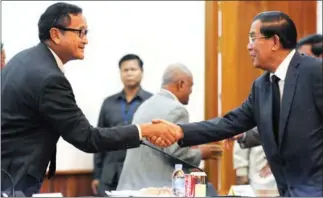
x=160 y=32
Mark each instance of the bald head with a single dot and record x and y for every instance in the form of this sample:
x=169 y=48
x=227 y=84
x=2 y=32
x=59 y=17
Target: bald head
x=175 y=72
x=178 y=79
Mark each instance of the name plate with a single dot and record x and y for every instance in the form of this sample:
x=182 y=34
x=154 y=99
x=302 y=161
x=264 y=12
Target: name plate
x=48 y=195
x=242 y=190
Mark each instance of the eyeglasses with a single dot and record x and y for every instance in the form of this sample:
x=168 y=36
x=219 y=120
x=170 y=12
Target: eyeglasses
x=81 y=32
x=253 y=39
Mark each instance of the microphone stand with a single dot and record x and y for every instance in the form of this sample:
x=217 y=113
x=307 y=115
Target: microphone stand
x=12 y=183
x=177 y=159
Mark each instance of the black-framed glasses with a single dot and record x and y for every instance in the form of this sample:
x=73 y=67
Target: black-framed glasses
x=81 y=32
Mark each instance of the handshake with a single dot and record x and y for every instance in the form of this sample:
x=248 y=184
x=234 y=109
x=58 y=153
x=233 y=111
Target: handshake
x=161 y=132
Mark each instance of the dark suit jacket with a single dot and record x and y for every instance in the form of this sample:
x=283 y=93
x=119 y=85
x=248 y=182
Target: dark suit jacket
x=38 y=106
x=250 y=139
x=296 y=161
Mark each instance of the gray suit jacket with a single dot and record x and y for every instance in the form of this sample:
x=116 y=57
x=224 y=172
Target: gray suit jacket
x=144 y=167
x=250 y=139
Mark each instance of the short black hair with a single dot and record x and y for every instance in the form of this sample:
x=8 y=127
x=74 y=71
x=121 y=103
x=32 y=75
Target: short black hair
x=310 y=40
x=132 y=57
x=55 y=15
x=317 y=49
x=280 y=24
x=316 y=42
x=1 y=46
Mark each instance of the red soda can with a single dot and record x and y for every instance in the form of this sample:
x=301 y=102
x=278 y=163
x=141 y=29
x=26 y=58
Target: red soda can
x=189 y=185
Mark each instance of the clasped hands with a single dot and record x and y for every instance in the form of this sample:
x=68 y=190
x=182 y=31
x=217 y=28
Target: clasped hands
x=161 y=132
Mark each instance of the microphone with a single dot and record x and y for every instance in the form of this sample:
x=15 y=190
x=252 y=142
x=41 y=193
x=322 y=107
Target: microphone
x=176 y=159
x=12 y=184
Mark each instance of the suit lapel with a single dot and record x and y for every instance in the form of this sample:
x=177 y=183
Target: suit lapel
x=288 y=94
x=45 y=52
x=266 y=113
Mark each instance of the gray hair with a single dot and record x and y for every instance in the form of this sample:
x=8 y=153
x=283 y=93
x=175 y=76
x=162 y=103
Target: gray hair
x=175 y=72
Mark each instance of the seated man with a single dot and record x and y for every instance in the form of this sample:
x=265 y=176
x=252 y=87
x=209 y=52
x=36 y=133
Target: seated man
x=145 y=167
x=252 y=167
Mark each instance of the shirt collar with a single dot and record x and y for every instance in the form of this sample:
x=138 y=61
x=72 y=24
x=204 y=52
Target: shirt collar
x=170 y=93
x=139 y=94
x=281 y=70
x=58 y=60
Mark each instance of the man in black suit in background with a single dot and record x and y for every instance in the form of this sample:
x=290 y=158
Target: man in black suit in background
x=285 y=103
x=118 y=110
x=38 y=105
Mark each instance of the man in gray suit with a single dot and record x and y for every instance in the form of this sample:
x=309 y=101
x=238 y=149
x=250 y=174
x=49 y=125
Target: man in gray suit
x=145 y=167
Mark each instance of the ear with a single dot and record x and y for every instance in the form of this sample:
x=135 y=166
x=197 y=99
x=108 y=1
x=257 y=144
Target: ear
x=277 y=43
x=180 y=84
x=55 y=35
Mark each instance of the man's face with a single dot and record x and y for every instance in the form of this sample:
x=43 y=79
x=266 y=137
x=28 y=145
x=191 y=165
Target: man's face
x=3 y=58
x=131 y=73
x=259 y=47
x=306 y=49
x=72 y=42
x=185 y=89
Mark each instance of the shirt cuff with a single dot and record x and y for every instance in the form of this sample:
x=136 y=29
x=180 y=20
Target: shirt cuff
x=139 y=131
x=242 y=171
x=243 y=136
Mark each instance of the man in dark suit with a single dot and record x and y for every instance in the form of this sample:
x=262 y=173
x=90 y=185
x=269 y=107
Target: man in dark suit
x=118 y=110
x=285 y=103
x=311 y=45
x=38 y=105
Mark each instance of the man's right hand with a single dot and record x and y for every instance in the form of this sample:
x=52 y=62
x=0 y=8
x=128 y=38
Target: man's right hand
x=94 y=185
x=161 y=133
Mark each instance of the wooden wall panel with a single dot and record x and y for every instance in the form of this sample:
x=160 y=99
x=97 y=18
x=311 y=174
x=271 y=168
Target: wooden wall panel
x=212 y=166
x=69 y=183
x=238 y=72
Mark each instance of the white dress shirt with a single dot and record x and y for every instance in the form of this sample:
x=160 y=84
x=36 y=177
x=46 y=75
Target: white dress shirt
x=281 y=72
x=249 y=162
x=61 y=67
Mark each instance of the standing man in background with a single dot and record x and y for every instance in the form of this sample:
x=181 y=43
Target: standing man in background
x=118 y=110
